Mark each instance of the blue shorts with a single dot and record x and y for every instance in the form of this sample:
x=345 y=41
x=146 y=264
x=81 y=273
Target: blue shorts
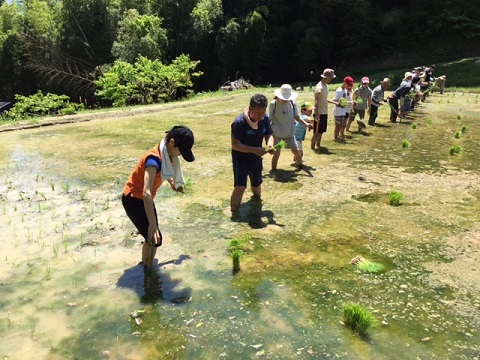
x=247 y=169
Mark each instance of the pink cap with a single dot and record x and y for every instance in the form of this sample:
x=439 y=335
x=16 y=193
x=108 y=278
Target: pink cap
x=365 y=80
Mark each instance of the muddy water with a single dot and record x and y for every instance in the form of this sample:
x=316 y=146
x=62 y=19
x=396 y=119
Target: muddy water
x=70 y=277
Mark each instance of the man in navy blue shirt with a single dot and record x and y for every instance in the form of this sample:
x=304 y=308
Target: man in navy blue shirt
x=248 y=132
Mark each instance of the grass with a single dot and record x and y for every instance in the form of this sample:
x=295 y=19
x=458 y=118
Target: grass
x=358 y=318
x=395 y=198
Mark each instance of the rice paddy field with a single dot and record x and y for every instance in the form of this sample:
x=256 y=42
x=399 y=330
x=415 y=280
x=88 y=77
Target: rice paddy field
x=71 y=283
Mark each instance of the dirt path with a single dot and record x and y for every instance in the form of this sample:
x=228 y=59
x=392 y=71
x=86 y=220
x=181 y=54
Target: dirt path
x=108 y=114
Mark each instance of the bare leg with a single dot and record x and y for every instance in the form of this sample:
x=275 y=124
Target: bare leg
x=257 y=191
x=148 y=255
x=336 y=131
x=313 y=141
x=342 y=129
x=349 y=123
x=275 y=157
x=319 y=139
x=236 y=198
x=298 y=157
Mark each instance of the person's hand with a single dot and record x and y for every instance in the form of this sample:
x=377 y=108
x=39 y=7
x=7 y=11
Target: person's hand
x=154 y=235
x=259 y=151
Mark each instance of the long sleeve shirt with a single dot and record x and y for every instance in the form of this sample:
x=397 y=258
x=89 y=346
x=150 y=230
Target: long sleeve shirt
x=377 y=95
x=402 y=90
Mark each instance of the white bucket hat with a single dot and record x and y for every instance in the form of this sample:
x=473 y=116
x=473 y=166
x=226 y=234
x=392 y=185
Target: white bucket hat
x=286 y=92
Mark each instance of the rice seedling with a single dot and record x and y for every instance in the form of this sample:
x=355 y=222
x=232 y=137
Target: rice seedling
x=405 y=144
x=48 y=273
x=455 y=150
x=459 y=117
x=15 y=241
x=66 y=244
x=83 y=194
x=395 y=198
x=464 y=128
x=280 y=145
x=236 y=255
x=234 y=244
x=429 y=122
x=32 y=329
x=52 y=185
x=358 y=318
x=29 y=236
x=55 y=247
x=106 y=206
x=457 y=134
x=187 y=187
x=41 y=194
x=414 y=125
x=370 y=266
x=66 y=187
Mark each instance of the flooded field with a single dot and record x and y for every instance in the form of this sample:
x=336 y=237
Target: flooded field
x=72 y=287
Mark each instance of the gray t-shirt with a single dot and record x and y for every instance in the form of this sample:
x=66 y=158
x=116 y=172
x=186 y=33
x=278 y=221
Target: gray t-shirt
x=363 y=93
x=282 y=118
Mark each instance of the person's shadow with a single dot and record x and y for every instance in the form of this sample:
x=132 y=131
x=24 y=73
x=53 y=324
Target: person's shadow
x=252 y=213
x=162 y=287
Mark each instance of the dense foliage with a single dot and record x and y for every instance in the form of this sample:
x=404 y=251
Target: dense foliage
x=146 y=81
x=41 y=104
x=61 y=45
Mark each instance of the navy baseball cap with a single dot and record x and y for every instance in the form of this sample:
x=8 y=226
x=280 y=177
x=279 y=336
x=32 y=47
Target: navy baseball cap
x=183 y=137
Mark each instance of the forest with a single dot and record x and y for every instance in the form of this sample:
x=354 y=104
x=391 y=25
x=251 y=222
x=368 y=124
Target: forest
x=67 y=46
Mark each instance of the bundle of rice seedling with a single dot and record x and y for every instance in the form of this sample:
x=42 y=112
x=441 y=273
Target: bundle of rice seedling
x=359 y=101
x=358 y=318
x=280 y=145
x=342 y=102
x=370 y=266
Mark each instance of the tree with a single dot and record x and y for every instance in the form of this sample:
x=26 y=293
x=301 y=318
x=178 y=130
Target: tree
x=88 y=30
x=205 y=16
x=139 y=35
x=146 y=81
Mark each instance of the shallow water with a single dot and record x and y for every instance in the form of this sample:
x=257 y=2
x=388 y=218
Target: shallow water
x=70 y=277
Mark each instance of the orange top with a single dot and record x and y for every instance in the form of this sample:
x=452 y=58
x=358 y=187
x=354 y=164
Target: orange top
x=134 y=184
